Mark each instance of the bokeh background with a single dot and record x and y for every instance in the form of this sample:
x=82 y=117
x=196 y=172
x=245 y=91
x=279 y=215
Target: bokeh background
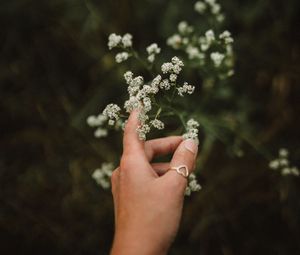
x=55 y=70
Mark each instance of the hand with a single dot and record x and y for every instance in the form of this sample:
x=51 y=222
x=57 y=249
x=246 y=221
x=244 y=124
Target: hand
x=148 y=198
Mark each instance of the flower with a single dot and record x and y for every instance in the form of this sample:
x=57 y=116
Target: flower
x=127 y=40
x=112 y=111
x=100 y=132
x=193 y=185
x=192 y=127
x=200 y=7
x=114 y=41
x=226 y=36
x=152 y=50
x=157 y=124
x=102 y=175
x=282 y=164
x=184 y=28
x=186 y=89
x=217 y=58
x=121 y=57
x=175 y=41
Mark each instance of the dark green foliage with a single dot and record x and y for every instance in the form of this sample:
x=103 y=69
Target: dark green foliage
x=55 y=70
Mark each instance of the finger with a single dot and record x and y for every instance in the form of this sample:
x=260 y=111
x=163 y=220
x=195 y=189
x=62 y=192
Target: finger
x=161 y=146
x=161 y=168
x=131 y=142
x=185 y=154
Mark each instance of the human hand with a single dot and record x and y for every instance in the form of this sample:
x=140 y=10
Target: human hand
x=148 y=198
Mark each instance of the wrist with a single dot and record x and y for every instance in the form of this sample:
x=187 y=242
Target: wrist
x=137 y=243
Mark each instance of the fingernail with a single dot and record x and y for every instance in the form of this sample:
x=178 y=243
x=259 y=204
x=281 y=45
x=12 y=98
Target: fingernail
x=191 y=145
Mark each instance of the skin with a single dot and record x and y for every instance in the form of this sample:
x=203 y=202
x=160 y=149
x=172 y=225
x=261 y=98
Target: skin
x=148 y=198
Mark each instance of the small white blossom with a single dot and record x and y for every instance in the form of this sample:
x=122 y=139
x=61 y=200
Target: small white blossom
x=121 y=57
x=102 y=175
x=210 y=36
x=94 y=121
x=173 y=77
x=283 y=153
x=165 y=84
x=184 y=28
x=226 y=36
x=128 y=77
x=157 y=124
x=274 y=164
x=153 y=49
x=114 y=41
x=282 y=164
x=194 y=52
x=127 y=40
x=192 y=128
x=167 y=67
x=112 y=111
x=175 y=41
x=186 y=89
x=193 y=185
x=142 y=131
x=100 y=132
x=200 y=7
x=220 y=18
x=215 y=9
x=217 y=58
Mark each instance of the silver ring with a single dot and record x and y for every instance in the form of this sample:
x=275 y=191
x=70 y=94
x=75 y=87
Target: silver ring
x=182 y=170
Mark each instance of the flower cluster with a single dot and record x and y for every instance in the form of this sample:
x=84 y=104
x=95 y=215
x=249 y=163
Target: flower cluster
x=102 y=175
x=192 y=128
x=142 y=95
x=209 y=5
x=193 y=185
x=98 y=122
x=123 y=42
x=282 y=164
x=152 y=51
x=209 y=48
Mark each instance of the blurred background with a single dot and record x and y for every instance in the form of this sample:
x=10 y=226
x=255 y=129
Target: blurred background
x=56 y=70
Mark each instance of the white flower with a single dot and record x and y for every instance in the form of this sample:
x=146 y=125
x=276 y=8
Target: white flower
x=175 y=41
x=220 y=18
x=173 y=77
x=184 y=28
x=102 y=175
x=151 y=58
x=186 y=89
x=167 y=67
x=114 y=41
x=193 y=52
x=121 y=57
x=131 y=104
x=100 y=132
x=200 y=7
x=226 y=36
x=157 y=124
x=142 y=131
x=127 y=40
x=153 y=49
x=192 y=127
x=283 y=165
x=112 y=111
x=283 y=152
x=274 y=164
x=165 y=84
x=217 y=58
x=215 y=9
x=128 y=77
x=193 y=185
x=210 y=36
